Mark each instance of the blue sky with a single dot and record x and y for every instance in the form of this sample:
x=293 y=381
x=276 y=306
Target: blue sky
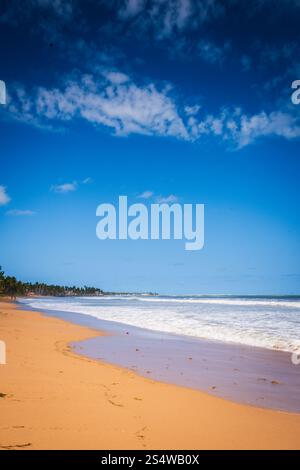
x=180 y=99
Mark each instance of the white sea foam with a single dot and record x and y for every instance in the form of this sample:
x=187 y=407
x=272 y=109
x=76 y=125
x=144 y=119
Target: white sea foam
x=268 y=323
x=224 y=301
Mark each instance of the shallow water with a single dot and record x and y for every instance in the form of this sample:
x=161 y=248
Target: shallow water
x=252 y=375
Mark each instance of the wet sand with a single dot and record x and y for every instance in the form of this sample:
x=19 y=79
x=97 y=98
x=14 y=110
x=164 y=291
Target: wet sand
x=52 y=398
x=244 y=374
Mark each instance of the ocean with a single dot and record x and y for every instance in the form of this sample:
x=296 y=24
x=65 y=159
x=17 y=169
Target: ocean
x=265 y=322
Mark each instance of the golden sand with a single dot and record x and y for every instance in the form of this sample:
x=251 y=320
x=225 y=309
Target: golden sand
x=51 y=398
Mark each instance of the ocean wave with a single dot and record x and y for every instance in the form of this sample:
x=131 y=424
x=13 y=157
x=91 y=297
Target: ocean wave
x=234 y=302
x=265 y=324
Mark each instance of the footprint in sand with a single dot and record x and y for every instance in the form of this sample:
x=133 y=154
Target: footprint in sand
x=16 y=446
x=140 y=434
x=115 y=404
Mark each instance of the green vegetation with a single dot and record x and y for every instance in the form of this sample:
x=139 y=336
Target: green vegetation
x=11 y=287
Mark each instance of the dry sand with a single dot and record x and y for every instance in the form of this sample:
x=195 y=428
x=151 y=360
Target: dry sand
x=51 y=398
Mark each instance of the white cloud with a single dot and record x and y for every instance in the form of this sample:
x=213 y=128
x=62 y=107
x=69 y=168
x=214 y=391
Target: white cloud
x=167 y=199
x=192 y=110
x=4 y=197
x=171 y=198
x=70 y=187
x=64 y=188
x=277 y=123
x=146 y=195
x=117 y=78
x=240 y=130
x=126 y=108
x=20 y=213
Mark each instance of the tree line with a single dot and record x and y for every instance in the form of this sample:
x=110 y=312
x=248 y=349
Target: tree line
x=11 y=287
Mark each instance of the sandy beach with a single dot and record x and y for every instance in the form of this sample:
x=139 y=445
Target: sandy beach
x=51 y=398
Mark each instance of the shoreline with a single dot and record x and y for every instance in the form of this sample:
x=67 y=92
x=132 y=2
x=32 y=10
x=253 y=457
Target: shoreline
x=192 y=326
x=56 y=399
x=240 y=373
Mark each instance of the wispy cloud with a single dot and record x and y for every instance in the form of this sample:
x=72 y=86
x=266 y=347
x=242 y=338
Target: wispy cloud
x=192 y=110
x=167 y=199
x=127 y=108
x=146 y=195
x=167 y=17
x=70 y=187
x=171 y=198
x=64 y=188
x=4 y=197
x=239 y=129
x=117 y=78
x=131 y=8
x=87 y=180
x=212 y=53
x=20 y=213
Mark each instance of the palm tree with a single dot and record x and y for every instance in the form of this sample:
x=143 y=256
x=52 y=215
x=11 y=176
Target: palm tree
x=11 y=287
x=2 y=277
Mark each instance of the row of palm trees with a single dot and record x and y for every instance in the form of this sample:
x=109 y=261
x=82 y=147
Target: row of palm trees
x=11 y=287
